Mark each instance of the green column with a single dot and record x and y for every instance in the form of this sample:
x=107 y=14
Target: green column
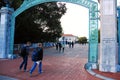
x=93 y=38
x=12 y=30
x=93 y=34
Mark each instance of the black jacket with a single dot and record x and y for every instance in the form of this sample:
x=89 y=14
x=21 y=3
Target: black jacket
x=24 y=51
x=37 y=54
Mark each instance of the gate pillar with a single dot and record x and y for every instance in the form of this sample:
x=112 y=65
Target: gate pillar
x=5 y=20
x=93 y=38
x=108 y=44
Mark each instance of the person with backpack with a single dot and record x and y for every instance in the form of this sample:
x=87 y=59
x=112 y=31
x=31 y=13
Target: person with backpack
x=37 y=57
x=24 y=54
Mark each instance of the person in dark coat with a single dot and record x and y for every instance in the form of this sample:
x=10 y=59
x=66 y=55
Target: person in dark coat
x=57 y=44
x=60 y=46
x=37 y=57
x=72 y=44
x=24 y=54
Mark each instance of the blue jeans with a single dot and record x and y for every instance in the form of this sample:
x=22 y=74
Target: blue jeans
x=24 y=63
x=34 y=66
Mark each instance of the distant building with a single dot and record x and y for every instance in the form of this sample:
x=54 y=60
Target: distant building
x=68 y=38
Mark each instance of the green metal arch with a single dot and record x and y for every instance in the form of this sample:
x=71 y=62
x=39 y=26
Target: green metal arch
x=30 y=3
x=93 y=23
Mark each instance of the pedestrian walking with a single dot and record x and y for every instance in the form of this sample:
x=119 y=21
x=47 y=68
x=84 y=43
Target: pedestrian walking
x=37 y=57
x=57 y=44
x=63 y=47
x=69 y=44
x=72 y=44
x=60 y=46
x=24 y=54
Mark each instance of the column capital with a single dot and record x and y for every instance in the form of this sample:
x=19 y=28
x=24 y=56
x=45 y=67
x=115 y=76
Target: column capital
x=6 y=10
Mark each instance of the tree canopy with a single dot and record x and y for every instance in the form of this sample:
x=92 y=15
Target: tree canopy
x=82 y=40
x=40 y=23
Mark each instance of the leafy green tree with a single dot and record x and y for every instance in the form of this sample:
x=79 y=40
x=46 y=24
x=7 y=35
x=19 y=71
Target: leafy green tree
x=40 y=23
x=82 y=40
x=12 y=3
x=16 y=3
x=1 y=3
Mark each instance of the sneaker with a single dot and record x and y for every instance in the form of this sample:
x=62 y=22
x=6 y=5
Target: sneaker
x=26 y=70
x=30 y=74
x=41 y=72
x=20 y=69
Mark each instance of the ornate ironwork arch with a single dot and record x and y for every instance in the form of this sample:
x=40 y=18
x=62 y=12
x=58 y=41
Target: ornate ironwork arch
x=30 y=3
x=93 y=23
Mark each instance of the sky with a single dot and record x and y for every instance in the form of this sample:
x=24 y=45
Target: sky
x=76 y=20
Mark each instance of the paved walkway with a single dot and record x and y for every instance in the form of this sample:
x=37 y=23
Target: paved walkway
x=56 y=66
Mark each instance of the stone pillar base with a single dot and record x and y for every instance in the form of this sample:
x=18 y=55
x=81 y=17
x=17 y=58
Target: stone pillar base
x=91 y=66
x=108 y=68
x=10 y=56
x=118 y=68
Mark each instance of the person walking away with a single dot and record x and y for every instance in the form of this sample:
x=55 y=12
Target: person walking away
x=37 y=57
x=24 y=54
x=69 y=44
x=63 y=47
x=57 y=46
x=72 y=44
x=60 y=46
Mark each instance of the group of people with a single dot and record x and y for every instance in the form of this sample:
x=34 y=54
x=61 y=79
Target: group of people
x=37 y=57
x=71 y=44
x=60 y=46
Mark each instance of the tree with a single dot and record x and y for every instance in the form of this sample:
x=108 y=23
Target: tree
x=11 y=3
x=16 y=4
x=82 y=40
x=1 y=3
x=40 y=23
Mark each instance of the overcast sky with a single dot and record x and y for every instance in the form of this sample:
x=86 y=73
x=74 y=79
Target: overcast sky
x=76 y=20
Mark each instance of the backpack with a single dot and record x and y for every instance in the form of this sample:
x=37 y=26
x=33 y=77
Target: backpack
x=23 y=52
